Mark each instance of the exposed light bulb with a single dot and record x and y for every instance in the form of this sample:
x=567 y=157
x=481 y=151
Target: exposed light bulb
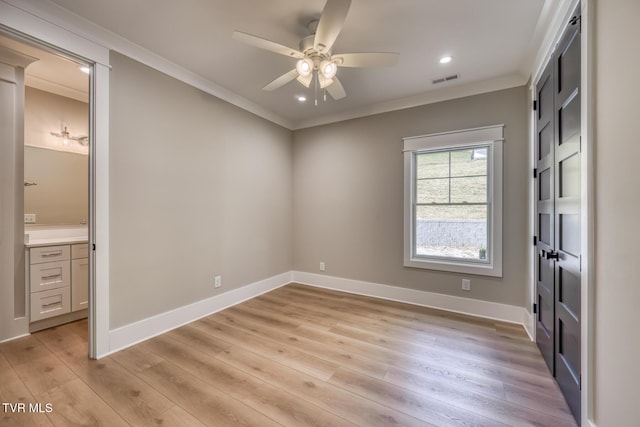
x=301 y=98
x=328 y=69
x=446 y=59
x=304 y=67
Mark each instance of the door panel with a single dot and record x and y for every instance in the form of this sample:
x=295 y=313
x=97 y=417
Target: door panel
x=558 y=212
x=545 y=322
x=570 y=176
x=567 y=212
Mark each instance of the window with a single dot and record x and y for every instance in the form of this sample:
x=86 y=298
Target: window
x=453 y=201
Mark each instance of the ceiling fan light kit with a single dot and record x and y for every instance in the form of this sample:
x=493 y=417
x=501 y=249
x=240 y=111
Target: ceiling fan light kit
x=315 y=60
x=304 y=67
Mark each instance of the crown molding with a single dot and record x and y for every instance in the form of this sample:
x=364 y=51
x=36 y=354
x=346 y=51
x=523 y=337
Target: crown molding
x=558 y=18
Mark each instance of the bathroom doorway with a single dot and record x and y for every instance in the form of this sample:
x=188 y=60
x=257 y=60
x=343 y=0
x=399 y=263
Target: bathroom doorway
x=52 y=275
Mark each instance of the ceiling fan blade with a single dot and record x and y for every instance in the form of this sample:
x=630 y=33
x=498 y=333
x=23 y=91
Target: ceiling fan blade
x=372 y=59
x=282 y=80
x=330 y=24
x=305 y=80
x=266 y=44
x=336 y=90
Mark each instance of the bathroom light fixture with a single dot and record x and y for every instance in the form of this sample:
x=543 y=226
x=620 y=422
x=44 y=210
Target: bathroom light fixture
x=446 y=59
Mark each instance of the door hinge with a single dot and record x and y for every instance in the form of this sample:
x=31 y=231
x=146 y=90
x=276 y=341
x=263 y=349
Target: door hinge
x=535 y=240
x=535 y=105
x=577 y=20
x=580 y=382
x=535 y=173
x=535 y=308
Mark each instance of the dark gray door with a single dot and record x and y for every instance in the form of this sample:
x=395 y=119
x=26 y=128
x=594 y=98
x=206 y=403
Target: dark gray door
x=558 y=212
x=567 y=212
x=545 y=154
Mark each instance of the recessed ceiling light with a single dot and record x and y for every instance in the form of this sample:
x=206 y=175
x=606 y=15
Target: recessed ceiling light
x=301 y=98
x=446 y=59
x=85 y=69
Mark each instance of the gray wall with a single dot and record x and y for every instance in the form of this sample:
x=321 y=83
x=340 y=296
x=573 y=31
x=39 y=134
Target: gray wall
x=348 y=195
x=617 y=271
x=62 y=193
x=198 y=188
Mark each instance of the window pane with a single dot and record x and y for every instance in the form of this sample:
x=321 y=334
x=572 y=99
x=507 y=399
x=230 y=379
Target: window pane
x=432 y=165
x=432 y=191
x=451 y=231
x=469 y=190
x=469 y=162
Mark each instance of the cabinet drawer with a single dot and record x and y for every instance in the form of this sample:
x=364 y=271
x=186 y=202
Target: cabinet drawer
x=49 y=254
x=50 y=303
x=49 y=275
x=80 y=251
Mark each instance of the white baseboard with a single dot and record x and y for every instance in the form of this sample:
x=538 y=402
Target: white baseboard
x=479 y=308
x=530 y=325
x=134 y=333
x=142 y=330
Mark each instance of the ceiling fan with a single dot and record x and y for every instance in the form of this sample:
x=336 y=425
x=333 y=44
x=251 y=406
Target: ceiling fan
x=316 y=62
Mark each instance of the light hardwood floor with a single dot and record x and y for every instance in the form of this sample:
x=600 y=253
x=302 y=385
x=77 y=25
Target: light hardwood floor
x=296 y=356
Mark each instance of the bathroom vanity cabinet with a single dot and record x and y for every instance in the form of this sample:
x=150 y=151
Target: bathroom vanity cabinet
x=57 y=279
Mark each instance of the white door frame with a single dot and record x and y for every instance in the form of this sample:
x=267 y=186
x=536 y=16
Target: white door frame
x=38 y=26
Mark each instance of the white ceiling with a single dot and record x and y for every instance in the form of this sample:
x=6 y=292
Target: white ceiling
x=491 y=40
x=51 y=72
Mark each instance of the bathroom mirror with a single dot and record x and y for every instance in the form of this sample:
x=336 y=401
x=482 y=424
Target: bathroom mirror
x=56 y=163
x=61 y=193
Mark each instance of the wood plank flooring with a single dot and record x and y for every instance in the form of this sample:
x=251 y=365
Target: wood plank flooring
x=296 y=356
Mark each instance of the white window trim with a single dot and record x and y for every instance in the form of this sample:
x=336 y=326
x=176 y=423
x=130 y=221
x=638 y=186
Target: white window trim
x=492 y=135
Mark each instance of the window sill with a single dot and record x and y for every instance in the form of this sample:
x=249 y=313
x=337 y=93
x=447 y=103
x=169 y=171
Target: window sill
x=491 y=270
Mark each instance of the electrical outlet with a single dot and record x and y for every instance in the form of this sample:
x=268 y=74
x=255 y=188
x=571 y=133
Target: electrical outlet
x=466 y=284
x=321 y=265
x=217 y=281
x=29 y=218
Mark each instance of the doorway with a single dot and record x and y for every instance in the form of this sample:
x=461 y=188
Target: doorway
x=558 y=214
x=52 y=156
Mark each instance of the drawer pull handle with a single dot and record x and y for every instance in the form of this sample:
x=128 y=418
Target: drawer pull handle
x=53 y=253
x=51 y=307
x=51 y=276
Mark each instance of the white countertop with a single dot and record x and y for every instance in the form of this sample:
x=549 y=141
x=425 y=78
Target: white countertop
x=49 y=235
x=55 y=241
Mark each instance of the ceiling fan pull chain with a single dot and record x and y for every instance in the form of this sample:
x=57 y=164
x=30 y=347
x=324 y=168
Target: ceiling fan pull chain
x=315 y=84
